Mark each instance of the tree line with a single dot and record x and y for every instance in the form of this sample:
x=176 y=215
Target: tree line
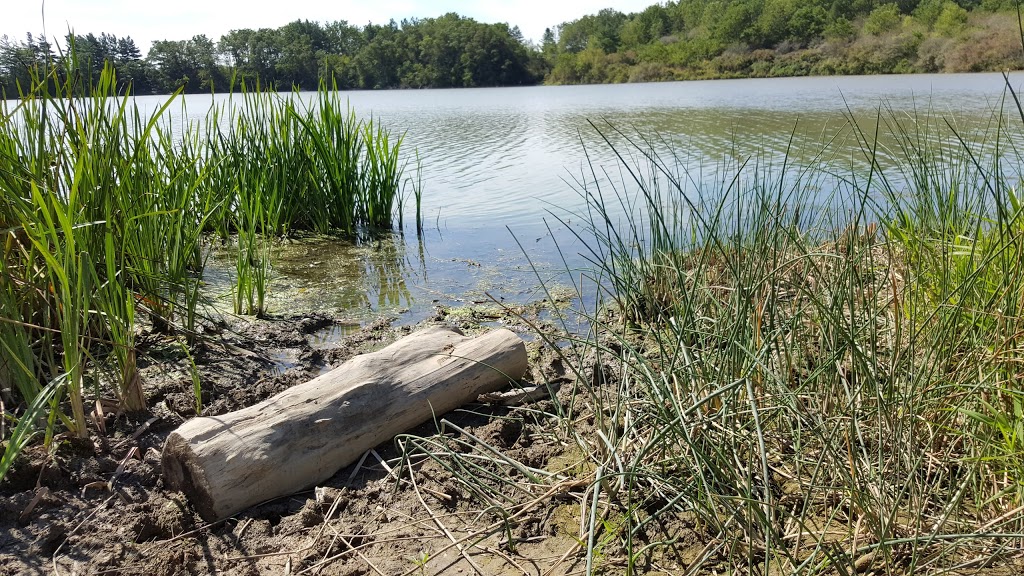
x=689 y=39
x=446 y=52
x=673 y=40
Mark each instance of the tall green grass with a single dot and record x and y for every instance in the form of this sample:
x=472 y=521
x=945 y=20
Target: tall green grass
x=831 y=390
x=107 y=215
x=281 y=165
x=309 y=165
x=87 y=233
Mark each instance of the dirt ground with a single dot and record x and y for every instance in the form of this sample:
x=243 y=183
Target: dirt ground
x=99 y=506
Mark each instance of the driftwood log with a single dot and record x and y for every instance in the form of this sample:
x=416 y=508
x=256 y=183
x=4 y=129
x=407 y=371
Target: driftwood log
x=289 y=442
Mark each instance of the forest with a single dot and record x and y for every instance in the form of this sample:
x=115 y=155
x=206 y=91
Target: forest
x=675 y=40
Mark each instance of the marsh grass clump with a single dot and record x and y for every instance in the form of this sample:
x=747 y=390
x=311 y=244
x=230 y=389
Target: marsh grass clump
x=832 y=390
x=282 y=164
x=107 y=216
x=95 y=229
x=279 y=165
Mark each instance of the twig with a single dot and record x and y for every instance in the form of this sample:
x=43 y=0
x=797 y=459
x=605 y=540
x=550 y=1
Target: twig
x=134 y=452
x=505 y=557
x=391 y=472
x=443 y=528
x=323 y=528
x=560 y=487
x=1015 y=513
x=40 y=493
x=359 y=466
x=359 y=553
x=138 y=432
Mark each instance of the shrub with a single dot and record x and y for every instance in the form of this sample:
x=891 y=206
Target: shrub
x=992 y=44
x=885 y=18
x=650 y=72
x=884 y=54
x=952 y=20
x=931 y=55
x=840 y=29
x=927 y=12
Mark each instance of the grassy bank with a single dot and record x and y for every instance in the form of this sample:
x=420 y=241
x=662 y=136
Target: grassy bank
x=768 y=391
x=105 y=213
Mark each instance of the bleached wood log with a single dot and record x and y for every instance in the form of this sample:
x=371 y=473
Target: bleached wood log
x=302 y=436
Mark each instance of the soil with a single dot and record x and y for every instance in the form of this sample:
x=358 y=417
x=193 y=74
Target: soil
x=99 y=506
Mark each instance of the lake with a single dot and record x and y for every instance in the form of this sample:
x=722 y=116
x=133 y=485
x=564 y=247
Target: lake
x=499 y=165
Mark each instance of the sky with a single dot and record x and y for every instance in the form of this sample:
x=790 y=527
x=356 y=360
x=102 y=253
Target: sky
x=147 y=20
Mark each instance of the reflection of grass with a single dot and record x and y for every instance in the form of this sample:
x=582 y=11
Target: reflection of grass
x=350 y=278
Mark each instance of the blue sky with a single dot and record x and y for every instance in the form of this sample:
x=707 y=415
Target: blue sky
x=147 y=20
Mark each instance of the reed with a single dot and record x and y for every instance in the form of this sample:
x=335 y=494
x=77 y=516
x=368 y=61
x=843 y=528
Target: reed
x=106 y=215
x=315 y=165
x=818 y=391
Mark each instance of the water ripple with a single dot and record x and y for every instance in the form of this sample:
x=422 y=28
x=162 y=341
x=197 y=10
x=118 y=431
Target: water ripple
x=497 y=157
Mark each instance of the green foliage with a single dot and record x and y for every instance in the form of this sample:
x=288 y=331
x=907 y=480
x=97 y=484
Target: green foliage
x=735 y=24
x=680 y=39
x=26 y=427
x=927 y=12
x=67 y=167
x=18 y=60
x=998 y=5
x=951 y=20
x=744 y=38
x=443 y=52
x=599 y=31
x=105 y=212
x=190 y=65
x=886 y=18
x=92 y=53
x=839 y=29
x=809 y=23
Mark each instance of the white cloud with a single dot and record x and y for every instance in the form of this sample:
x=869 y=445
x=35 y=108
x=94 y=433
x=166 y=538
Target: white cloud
x=179 y=19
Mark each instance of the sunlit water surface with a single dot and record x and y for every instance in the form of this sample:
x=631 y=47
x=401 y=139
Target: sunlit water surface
x=501 y=172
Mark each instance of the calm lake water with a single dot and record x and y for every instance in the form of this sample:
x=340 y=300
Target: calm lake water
x=501 y=162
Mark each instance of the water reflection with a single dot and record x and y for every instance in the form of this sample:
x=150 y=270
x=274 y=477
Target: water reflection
x=353 y=279
x=392 y=275
x=501 y=160
x=489 y=155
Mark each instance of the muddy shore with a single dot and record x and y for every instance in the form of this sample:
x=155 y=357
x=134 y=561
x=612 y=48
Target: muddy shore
x=99 y=506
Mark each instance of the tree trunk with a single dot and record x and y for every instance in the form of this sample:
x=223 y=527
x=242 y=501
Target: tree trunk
x=304 y=435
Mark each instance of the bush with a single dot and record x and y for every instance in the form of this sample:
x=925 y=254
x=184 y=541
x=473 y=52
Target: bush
x=800 y=63
x=734 y=61
x=840 y=29
x=993 y=44
x=885 y=18
x=650 y=72
x=927 y=12
x=952 y=20
x=931 y=55
x=884 y=54
x=808 y=23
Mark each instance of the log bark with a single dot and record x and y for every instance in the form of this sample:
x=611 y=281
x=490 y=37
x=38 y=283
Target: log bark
x=304 y=435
